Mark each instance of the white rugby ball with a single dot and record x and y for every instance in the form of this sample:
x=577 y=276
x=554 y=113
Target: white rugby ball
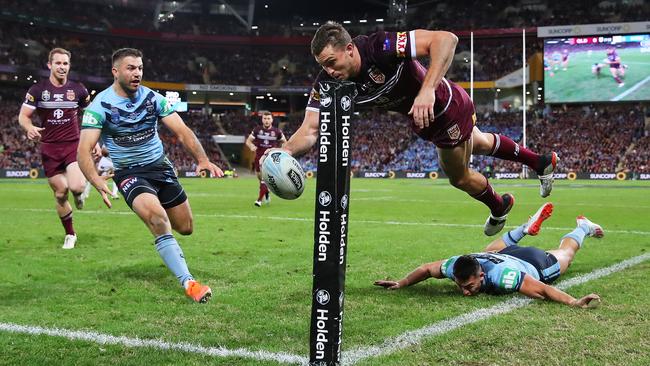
x=283 y=175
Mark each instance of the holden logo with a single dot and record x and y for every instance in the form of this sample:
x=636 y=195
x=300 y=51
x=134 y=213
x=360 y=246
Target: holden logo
x=346 y=102
x=325 y=198
x=323 y=297
x=325 y=100
x=324 y=87
x=58 y=113
x=344 y=201
x=276 y=157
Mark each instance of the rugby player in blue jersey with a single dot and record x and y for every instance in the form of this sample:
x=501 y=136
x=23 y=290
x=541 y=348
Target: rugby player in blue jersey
x=506 y=267
x=125 y=116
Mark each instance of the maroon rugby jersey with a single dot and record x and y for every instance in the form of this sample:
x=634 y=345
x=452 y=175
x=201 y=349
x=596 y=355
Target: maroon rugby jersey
x=266 y=139
x=58 y=109
x=390 y=76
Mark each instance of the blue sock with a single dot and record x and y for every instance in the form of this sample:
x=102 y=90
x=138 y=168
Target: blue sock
x=172 y=255
x=578 y=234
x=513 y=236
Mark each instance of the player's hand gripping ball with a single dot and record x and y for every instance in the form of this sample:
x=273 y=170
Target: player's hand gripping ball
x=283 y=175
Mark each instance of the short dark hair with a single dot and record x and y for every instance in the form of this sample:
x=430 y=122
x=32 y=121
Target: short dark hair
x=58 y=50
x=266 y=113
x=465 y=267
x=329 y=34
x=125 y=52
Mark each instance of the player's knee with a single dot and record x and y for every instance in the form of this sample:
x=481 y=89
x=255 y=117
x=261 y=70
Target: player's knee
x=158 y=222
x=185 y=228
x=61 y=196
x=460 y=181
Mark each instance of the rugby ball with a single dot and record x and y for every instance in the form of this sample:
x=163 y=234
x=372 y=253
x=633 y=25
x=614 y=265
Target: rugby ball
x=283 y=175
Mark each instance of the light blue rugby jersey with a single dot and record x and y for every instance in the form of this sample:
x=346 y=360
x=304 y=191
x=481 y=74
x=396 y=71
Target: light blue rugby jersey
x=503 y=273
x=129 y=126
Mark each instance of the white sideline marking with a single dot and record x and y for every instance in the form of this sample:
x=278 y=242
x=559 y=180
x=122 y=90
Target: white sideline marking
x=625 y=93
x=414 y=337
x=351 y=357
x=108 y=339
x=306 y=219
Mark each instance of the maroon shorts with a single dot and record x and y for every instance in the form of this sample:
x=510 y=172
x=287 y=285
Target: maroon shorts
x=57 y=156
x=258 y=154
x=455 y=125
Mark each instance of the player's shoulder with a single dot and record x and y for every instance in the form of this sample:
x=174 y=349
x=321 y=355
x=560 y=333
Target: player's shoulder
x=447 y=266
x=506 y=277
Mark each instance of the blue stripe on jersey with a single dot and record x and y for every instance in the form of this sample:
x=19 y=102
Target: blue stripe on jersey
x=129 y=126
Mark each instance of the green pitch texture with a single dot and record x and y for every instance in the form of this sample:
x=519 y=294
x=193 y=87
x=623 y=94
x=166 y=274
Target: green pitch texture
x=579 y=84
x=258 y=262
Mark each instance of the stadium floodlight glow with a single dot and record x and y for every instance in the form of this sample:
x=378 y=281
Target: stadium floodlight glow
x=254 y=27
x=260 y=97
x=26 y=44
x=171 y=16
x=498 y=89
x=193 y=93
x=527 y=93
x=231 y=94
x=302 y=24
x=316 y=23
x=268 y=94
x=363 y=21
x=379 y=20
x=306 y=95
x=346 y=22
x=539 y=88
x=266 y=6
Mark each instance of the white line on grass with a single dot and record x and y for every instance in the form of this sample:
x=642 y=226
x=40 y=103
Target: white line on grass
x=414 y=337
x=307 y=219
x=625 y=93
x=351 y=357
x=108 y=339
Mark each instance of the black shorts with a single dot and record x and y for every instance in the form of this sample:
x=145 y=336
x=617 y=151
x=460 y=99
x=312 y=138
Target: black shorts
x=546 y=264
x=157 y=178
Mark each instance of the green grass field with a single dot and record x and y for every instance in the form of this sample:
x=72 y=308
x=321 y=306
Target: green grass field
x=258 y=262
x=578 y=84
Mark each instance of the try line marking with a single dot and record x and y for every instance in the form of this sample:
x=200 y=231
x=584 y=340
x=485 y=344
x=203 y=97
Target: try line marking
x=311 y=220
x=351 y=357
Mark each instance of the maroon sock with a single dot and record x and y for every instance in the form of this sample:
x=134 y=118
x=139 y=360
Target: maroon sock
x=66 y=221
x=263 y=190
x=618 y=79
x=491 y=199
x=506 y=149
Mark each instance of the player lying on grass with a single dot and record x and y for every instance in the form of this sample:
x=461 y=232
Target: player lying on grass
x=506 y=267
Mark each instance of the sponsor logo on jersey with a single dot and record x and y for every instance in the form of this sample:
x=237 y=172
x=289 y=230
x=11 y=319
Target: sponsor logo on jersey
x=70 y=95
x=400 y=44
x=58 y=97
x=454 y=132
x=45 y=95
x=29 y=98
x=58 y=113
x=509 y=279
x=376 y=75
x=89 y=120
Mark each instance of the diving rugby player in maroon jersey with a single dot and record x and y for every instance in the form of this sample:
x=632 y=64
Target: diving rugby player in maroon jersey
x=387 y=75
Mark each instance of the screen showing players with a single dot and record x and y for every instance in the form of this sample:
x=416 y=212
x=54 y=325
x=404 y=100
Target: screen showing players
x=597 y=68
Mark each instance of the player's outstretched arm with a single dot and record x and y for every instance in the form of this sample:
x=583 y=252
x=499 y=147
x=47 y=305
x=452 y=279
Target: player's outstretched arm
x=419 y=274
x=539 y=290
x=440 y=46
x=191 y=144
x=249 y=142
x=87 y=141
x=305 y=137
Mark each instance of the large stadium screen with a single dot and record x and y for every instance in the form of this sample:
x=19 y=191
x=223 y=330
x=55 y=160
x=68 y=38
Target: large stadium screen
x=597 y=68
